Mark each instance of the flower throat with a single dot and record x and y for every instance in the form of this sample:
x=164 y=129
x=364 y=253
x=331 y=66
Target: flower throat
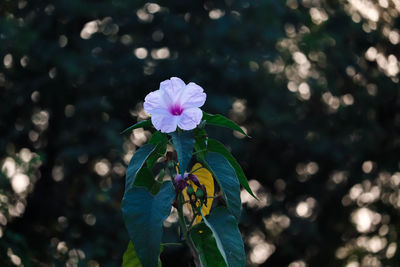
x=176 y=110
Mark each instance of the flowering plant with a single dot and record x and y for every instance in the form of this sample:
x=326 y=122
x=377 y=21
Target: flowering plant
x=211 y=229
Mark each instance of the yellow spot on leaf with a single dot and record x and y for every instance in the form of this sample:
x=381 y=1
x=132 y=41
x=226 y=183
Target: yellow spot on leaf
x=205 y=177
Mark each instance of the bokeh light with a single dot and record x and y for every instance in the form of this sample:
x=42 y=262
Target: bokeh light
x=313 y=82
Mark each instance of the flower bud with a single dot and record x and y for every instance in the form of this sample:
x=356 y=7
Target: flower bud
x=199 y=193
x=190 y=190
x=194 y=179
x=171 y=164
x=180 y=183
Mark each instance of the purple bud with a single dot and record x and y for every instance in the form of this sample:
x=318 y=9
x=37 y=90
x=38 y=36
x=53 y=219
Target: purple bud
x=180 y=182
x=194 y=179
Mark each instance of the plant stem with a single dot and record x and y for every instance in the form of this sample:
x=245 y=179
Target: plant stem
x=189 y=241
x=199 y=151
x=194 y=217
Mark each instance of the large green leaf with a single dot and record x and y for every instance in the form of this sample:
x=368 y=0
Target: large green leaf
x=145 y=178
x=222 y=121
x=227 y=235
x=136 y=163
x=140 y=124
x=226 y=177
x=144 y=215
x=216 y=146
x=206 y=245
x=183 y=144
x=130 y=258
x=160 y=140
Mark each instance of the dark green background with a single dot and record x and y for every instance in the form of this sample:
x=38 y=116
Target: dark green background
x=66 y=99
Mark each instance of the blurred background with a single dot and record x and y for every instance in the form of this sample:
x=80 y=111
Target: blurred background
x=314 y=82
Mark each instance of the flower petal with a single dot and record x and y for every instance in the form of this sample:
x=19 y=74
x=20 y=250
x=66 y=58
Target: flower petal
x=172 y=89
x=165 y=122
x=193 y=96
x=155 y=101
x=190 y=118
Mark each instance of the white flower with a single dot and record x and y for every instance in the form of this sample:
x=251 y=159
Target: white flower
x=175 y=104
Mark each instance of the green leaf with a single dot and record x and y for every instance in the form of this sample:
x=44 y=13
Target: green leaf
x=206 y=245
x=226 y=177
x=136 y=163
x=200 y=145
x=144 y=215
x=183 y=144
x=145 y=178
x=216 y=146
x=222 y=121
x=160 y=140
x=140 y=124
x=130 y=258
x=227 y=235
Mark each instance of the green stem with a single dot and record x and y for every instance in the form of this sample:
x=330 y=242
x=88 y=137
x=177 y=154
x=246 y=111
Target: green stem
x=189 y=241
x=191 y=223
x=196 y=212
x=199 y=151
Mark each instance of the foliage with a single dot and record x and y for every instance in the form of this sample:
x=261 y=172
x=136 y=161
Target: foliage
x=136 y=164
x=130 y=258
x=222 y=121
x=215 y=146
x=226 y=232
x=207 y=246
x=227 y=180
x=145 y=213
x=183 y=143
x=143 y=216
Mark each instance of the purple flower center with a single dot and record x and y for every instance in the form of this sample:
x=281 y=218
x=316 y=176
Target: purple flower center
x=176 y=110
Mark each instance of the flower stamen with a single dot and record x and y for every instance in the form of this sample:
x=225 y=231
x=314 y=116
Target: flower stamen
x=176 y=110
